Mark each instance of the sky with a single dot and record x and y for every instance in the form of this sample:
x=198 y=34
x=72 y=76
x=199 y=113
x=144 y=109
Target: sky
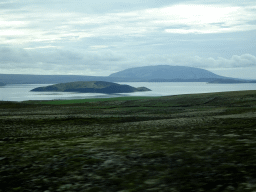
x=99 y=37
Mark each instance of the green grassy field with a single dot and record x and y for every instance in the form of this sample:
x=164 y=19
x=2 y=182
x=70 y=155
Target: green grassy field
x=199 y=142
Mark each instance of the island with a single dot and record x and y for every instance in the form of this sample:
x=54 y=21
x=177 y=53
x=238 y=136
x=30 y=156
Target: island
x=2 y=84
x=91 y=87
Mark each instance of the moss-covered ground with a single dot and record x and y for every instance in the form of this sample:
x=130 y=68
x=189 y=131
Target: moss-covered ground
x=200 y=142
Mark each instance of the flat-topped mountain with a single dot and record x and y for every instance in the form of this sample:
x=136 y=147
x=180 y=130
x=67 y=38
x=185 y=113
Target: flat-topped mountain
x=166 y=72
x=157 y=73
x=91 y=87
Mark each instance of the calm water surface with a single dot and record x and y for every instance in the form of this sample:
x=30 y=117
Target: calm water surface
x=17 y=92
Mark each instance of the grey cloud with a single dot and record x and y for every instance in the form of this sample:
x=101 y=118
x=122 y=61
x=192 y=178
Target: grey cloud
x=56 y=26
x=245 y=60
x=8 y=55
x=242 y=61
x=105 y=62
x=236 y=61
x=10 y=4
x=57 y=61
x=103 y=6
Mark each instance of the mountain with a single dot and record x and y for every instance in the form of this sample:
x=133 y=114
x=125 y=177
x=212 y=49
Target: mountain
x=2 y=84
x=158 y=73
x=166 y=73
x=91 y=87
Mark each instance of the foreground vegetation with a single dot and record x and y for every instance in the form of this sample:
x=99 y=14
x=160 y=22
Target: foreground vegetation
x=201 y=142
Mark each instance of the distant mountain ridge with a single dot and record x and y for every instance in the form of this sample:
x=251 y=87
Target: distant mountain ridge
x=231 y=81
x=91 y=87
x=157 y=73
x=166 y=72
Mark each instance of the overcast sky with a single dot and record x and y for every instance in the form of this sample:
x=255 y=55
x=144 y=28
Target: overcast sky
x=100 y=37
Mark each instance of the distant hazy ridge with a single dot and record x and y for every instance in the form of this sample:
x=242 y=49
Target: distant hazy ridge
x=159 y=73
x=166 y=72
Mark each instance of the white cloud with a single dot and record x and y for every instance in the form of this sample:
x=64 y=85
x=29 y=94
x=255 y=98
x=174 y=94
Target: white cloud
x=245 y=60
x=57 y=61
x=42 y=47
x=98 y=46
x=42 y=25
x=53 y=60
x=236 y=61
x=208 y=18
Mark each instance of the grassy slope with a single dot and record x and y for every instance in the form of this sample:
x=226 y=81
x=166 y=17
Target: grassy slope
x=179 y=143
x=75 y=101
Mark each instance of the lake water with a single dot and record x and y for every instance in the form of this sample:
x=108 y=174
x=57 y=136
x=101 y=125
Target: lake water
x=17 y=92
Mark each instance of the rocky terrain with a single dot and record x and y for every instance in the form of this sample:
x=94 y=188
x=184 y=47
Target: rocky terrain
x=200 y=142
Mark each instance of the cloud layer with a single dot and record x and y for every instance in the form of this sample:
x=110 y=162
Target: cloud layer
x=77 y=37
x=34 y=24
x=58 y=61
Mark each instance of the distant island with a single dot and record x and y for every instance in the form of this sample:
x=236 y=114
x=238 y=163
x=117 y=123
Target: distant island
x=2 y=84
x=157 y=73
x=91 y=87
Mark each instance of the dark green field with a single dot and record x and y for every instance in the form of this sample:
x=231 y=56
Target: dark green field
x=200 y=142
